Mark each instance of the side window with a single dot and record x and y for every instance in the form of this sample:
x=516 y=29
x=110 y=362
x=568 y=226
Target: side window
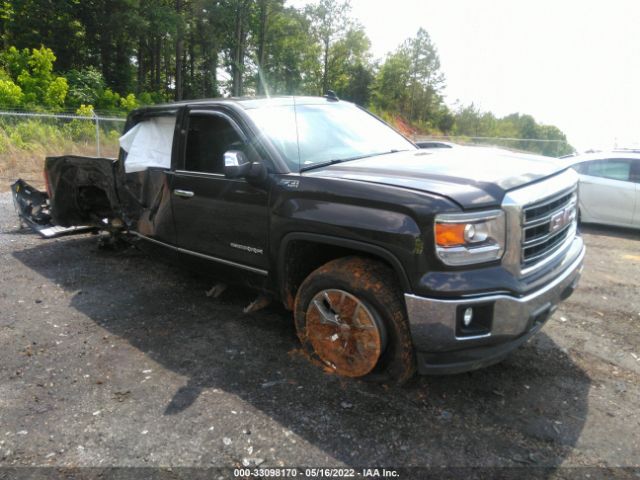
x=581 y=168
x=209 y=136
x=635 y=171
x=614 y=169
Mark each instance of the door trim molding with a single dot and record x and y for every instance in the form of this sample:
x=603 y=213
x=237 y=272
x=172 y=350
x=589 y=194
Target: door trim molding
x=259 y=271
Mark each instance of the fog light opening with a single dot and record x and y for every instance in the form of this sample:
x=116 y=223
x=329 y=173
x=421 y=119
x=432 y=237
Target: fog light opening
x=467 y=317
x=473 y=320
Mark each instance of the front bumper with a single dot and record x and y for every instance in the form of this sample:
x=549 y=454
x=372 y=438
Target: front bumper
x=444 y=346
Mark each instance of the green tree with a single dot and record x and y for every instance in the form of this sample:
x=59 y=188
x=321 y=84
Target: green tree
x=54 y=23
x=514 y=131
x=329 y=22
x=266 y=17
x=10 y=93
x=111 y=29
x=238 y=45
x=32 y=72
x=350 y=71
x=118 y=54
x=128 y=103
x=154 y=32
x=391 y=85
x=291 y=62
x=205 y=35
x=14 y=61
x=426 y=80
x=358 y=88
x=85 y=86
x=409 y=82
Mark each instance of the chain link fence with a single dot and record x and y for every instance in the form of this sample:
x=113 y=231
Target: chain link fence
x=548 y=147
x=26 y=138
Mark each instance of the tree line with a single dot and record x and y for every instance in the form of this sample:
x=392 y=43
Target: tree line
x=118 y=54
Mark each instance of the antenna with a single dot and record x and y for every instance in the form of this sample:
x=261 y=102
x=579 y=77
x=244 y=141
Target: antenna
x=331 y=96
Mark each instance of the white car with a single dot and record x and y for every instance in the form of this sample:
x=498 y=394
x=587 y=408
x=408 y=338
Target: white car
x=609 y=187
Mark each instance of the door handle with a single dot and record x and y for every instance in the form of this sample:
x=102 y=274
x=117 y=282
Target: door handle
x=183 y=193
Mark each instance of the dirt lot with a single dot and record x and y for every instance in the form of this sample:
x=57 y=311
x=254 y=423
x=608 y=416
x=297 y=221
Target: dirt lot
x=116 y=359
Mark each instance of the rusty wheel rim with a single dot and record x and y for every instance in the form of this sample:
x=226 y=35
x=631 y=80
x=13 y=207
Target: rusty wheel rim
x=345 y=334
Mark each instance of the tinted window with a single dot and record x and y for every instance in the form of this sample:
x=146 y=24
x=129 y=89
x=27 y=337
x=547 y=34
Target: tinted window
x=581 y=167
x=635 y=171
x=208 y=138
x=614 y=169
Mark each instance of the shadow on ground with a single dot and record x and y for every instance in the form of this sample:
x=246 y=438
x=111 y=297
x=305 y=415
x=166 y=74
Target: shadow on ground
x=527 y=411
x=616 y=232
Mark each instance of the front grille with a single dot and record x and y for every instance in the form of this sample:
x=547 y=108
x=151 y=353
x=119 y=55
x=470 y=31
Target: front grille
x=546 y=225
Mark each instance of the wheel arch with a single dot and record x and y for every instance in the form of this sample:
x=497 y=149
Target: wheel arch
x=293 y=267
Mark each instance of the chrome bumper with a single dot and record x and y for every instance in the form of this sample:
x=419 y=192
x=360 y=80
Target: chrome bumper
x=435 y=323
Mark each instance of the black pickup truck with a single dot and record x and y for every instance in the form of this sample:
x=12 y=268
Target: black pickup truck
x=391 y=258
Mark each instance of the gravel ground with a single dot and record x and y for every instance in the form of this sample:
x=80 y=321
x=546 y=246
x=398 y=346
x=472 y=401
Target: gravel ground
x=117 y=359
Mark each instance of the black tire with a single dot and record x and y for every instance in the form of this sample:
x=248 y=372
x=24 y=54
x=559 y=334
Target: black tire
x=374 y=284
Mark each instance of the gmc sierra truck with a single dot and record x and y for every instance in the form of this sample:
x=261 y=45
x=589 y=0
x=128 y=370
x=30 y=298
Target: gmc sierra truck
x=391 y=258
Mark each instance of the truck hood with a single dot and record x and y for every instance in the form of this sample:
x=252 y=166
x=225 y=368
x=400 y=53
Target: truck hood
x=473 y=177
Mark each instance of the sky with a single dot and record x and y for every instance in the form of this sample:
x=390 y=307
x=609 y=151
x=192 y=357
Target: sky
x=574 y=64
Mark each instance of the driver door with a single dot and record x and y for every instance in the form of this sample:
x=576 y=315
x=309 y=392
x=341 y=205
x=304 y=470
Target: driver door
x=221 y=219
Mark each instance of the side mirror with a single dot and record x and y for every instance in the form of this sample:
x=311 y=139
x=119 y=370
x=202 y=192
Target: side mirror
x=236 y=164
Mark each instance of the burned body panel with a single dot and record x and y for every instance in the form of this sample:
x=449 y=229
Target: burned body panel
x=83 y=190
x=146 y=204
x=32 y=207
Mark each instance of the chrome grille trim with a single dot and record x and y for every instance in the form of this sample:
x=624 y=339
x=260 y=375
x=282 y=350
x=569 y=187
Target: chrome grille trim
x=536 y=195
x=540 y=239
x=556 y=241
x=559 y=199
x=547 y=241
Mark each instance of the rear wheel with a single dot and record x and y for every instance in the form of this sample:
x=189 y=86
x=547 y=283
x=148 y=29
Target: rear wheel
x=350 y=317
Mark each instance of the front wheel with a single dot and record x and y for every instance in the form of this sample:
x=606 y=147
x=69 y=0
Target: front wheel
x=351 y=317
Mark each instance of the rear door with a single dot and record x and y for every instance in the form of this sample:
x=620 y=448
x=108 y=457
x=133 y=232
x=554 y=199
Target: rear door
x=221 y=219
x=146 y=151
x=607 y=192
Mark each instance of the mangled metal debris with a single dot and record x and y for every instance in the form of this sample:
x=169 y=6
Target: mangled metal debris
x=32 y=207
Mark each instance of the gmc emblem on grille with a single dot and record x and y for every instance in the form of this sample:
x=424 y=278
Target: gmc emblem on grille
x=560 y=220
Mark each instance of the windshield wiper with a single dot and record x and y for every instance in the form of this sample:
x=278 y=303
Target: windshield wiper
x=323 y=164
x=340 y=160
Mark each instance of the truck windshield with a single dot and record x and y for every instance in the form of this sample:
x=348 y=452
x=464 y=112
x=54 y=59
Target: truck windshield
x=309 y=135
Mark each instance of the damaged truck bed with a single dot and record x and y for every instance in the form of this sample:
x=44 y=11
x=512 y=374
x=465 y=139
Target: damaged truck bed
x=32 y=207
x=82 y=198
x=391 y=258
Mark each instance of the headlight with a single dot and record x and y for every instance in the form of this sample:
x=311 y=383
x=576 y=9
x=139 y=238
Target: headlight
x=467 y=238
